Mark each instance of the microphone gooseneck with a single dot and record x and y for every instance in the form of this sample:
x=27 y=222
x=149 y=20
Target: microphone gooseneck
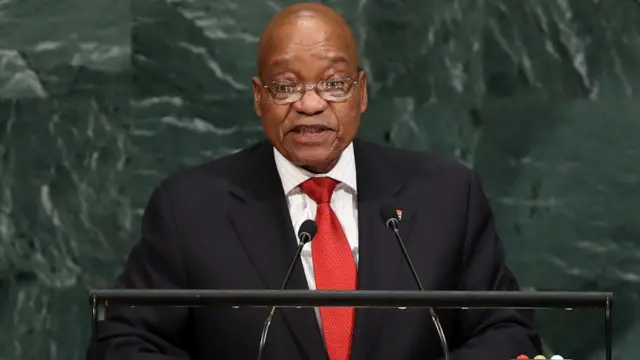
x=390 y=219
x=307 y=231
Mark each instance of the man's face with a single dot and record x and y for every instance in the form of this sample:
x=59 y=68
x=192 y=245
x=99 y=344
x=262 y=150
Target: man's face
x=313 y=131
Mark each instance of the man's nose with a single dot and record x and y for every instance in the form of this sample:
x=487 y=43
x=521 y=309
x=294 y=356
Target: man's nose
x=310 y=103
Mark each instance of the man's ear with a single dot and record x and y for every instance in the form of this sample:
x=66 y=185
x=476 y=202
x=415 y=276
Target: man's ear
x=364 y=95
x=257 y=93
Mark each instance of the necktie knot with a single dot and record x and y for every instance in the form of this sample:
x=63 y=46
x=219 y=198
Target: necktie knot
x=319 y=189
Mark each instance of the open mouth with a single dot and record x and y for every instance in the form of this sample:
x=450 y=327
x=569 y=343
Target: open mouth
x=311 y=134
x=310 y=129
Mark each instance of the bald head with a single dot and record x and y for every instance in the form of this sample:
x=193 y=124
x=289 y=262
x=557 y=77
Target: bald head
x=305 y=25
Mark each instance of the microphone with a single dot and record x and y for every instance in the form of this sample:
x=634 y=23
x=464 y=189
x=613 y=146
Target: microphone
x=307 y=231
x=390 y=218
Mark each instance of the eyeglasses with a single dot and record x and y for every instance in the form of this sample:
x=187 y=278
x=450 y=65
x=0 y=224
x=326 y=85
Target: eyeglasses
x=329 y=90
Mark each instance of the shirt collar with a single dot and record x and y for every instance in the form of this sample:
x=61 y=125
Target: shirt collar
x=292 y=176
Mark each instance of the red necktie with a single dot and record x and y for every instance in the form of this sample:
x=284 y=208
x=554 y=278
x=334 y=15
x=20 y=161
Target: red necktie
x=333 y=266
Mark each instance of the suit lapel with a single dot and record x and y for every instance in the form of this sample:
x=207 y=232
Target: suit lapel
x=380 y=254
x=262 y=221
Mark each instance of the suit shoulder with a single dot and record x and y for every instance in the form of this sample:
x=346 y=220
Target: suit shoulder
x=213 y=173
x=413 y=163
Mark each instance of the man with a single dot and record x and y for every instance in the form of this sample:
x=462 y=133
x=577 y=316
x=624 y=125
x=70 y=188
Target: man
x=231 y=224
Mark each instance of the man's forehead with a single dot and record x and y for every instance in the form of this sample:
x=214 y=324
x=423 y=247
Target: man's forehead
x=287 y=61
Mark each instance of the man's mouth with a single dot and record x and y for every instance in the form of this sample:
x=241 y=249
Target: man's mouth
x=311 y=134
x=310 y=129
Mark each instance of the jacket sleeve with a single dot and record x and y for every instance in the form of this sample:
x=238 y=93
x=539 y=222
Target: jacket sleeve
x=493 y=333
x=149 y=333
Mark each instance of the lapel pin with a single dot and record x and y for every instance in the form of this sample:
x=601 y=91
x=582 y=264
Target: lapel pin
x=399 y=213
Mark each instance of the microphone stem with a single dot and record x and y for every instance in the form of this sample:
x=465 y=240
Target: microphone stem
x=293 y=264
x=265 y=330
x=434 y=316
x=396 y=231
x=267 y=322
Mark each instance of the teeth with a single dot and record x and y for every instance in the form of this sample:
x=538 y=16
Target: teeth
x=309 y=130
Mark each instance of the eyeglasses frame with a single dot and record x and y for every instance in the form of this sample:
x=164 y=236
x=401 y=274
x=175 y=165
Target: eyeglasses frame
x=303 y=88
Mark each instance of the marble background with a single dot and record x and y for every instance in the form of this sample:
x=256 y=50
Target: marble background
x=101 y=99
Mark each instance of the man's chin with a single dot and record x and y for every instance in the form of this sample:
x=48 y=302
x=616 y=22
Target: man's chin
x=316 y=160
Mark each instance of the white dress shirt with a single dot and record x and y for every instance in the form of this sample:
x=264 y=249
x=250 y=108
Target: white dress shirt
x=343 y=201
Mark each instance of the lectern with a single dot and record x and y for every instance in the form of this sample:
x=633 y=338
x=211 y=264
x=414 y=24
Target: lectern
x=101 y=299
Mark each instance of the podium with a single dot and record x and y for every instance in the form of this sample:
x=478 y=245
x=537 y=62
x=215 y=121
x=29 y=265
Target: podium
x=101 y=299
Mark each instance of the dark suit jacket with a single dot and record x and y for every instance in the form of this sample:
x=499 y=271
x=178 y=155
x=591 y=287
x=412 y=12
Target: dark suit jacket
x=225 y=225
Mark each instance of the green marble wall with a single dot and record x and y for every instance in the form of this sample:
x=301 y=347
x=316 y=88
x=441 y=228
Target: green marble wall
x=101 y=99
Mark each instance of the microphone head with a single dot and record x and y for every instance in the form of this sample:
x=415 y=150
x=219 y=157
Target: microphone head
x=389 y=216
x=307 y=231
